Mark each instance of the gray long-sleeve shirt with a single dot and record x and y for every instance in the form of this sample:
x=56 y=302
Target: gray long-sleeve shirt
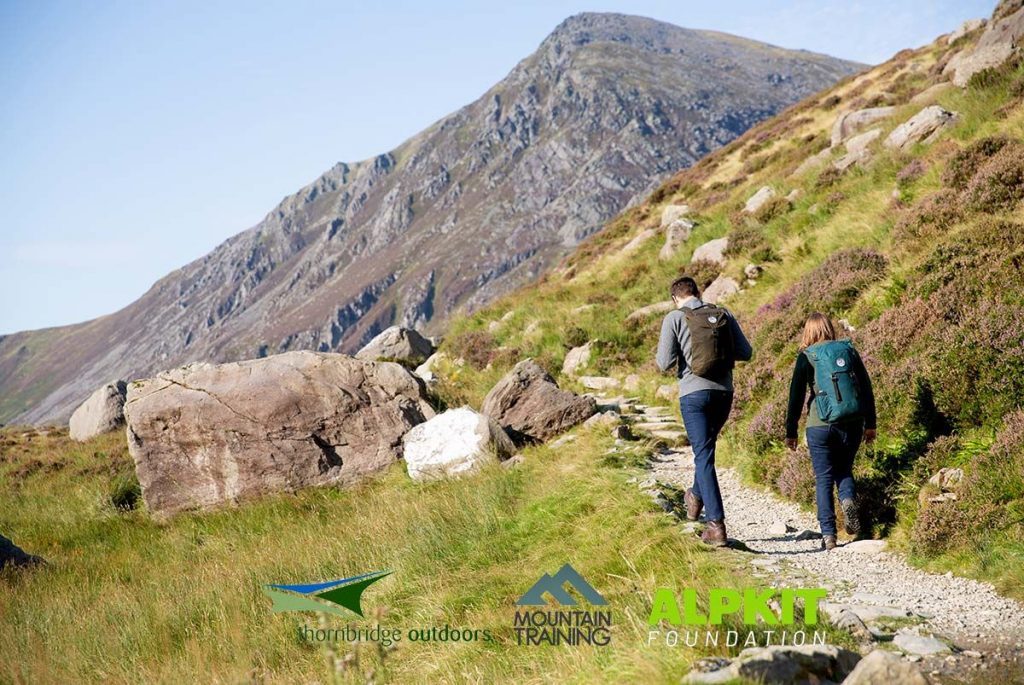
x=674 y=350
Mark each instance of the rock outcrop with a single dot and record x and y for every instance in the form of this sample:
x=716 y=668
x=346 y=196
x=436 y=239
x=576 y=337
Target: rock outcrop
x=101 y=413
x=206 y=434
x=453 y=443
x=12 y=555
x=397 y=343
x=530 y=406
x=922 y=127
x=1000 y=41
x=779 y=665
x=650 y=310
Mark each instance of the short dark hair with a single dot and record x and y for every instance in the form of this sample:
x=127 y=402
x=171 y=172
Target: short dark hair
x=684 y=287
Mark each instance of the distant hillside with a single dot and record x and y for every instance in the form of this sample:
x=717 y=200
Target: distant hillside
x=479 y=203
x=894 y=204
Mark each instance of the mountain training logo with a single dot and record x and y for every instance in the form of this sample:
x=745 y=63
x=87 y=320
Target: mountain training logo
x=331 y=596
x=536 y=627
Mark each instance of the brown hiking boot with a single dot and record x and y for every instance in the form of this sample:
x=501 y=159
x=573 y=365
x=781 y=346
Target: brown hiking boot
x=693 y=504
x=828 y=542
x=714 y=534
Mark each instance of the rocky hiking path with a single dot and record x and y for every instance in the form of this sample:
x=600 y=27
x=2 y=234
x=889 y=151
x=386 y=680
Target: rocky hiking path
x=954 y=628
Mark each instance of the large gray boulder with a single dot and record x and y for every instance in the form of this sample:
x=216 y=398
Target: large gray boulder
x=454 y=443
x=206 y=434
x=922 y=127
x=101 y=413
x=12 y=555
x=885 y=668
x=530 y=406
x=397 y=343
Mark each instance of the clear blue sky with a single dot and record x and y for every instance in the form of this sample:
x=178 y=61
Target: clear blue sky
x=136 y=136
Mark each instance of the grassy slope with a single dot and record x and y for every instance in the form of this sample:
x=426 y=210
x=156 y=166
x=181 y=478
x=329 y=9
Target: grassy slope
x=593 y=291
x=127 y=599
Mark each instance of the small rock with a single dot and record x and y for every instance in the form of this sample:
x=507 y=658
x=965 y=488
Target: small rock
x=453 y=443
x=676 y=235
x=599 y=382
x=972 y=653
x=865 y=546
x=673 y=213
x=712 y=251
x=849 y=123
x=638 y=241
x=793 y=195
x=808 y=535
x=758 y=199
x=622 y=432
x=914 y=643
x=852 y=623
x=631 y=383
x=884 y=668
x=656 y=308
x=562 y=441
x=398 y=343
x=576 y=359
x=513 y=461
x=947 y=478
x=780 y=527
x=752 y=271
x=720 y=290
x=607 y=418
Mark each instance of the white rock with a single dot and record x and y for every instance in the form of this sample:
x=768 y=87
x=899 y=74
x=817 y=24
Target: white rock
x=576 y=359
x=639 y=240
x=631 y=383
x=673 y=213
x=656 y=308
x=758 y=199
x=752 y=271
x=599 y=382
x=930 y=94
x=397 y=343
x=720 y=290
x=865 y=546
x=857 y=149
x=428 y=369
x=453 y=443
x=780 y=527
x=606 y=418
x=884 y=668
x=712 y=251
x=101 y=413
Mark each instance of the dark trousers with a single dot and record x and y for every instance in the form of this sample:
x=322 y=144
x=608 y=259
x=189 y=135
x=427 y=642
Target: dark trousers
x=832 y=451
x=704 y=413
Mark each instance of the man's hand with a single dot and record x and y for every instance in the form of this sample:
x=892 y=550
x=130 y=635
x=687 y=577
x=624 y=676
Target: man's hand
x=869 y=435
x=791 y=443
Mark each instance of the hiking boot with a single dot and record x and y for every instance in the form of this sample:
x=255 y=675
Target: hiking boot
x=828 y=542
x=693 y=504
x=850 y=520
x=714 y=534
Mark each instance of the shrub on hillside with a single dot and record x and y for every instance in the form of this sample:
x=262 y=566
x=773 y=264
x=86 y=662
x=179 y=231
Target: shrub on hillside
x=773 y=208
x=939 y=528
x=703 y=271
x=828 y=178
x=476 y=347
x=575 y=337
x=768 y=427
x=911 y=172
x=796 y=480
x=932 y=214
x=744 y=239
x=998 y=185
x=998 y=475
x=960 y=169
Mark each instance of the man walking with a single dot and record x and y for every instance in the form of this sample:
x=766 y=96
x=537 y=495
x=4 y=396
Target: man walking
x=704 y=342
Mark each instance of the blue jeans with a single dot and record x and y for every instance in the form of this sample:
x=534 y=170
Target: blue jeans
x=704 y=413
x=832 y=451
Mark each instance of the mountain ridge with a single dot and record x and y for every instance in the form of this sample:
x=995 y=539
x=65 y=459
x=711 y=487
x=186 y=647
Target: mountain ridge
x=476 y=204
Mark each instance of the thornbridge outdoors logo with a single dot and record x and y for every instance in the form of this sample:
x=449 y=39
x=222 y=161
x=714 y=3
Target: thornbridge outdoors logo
x=557 y=626
x=329 y=597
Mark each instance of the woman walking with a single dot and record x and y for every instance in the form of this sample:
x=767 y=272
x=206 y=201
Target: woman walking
x=840 y=413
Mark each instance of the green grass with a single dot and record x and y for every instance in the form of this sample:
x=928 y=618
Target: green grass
x=127 y=599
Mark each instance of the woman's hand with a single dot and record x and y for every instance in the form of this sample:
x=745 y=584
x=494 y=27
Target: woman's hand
x=869 y=435
x=791 y=443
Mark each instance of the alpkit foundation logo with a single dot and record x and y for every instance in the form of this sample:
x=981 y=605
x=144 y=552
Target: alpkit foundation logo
x=333 y=596
x=553 y=625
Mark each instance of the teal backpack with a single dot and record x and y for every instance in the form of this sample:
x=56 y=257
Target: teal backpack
x=835 y=385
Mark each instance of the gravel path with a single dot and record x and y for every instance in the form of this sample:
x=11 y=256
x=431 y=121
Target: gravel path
x=879 y=586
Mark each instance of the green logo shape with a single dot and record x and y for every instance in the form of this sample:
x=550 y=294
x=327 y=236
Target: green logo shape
x=329 y=597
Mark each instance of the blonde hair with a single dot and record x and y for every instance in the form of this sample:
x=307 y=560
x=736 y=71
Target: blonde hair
x=817 y=329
